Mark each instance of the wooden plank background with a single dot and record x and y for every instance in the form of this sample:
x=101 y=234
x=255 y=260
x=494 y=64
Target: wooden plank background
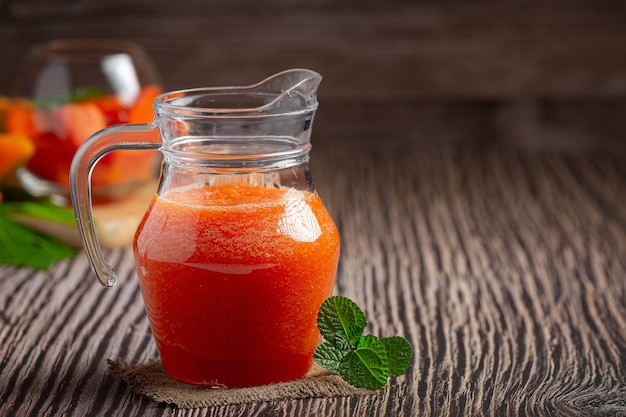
x=522 y=72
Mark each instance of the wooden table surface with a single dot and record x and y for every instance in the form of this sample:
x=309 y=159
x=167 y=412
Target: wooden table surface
x=481 y=201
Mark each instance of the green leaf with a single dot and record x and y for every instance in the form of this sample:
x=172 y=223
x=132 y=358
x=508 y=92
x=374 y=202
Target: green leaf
x=363 y=361
x=75 y=96
x=329 y=357
x=341 y=322
x=399 y=354
x=86 y=93
x=42 y=210
x=367 y=366
x=22 y=246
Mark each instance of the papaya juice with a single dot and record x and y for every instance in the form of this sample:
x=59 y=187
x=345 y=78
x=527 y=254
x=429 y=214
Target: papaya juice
x=232 y=278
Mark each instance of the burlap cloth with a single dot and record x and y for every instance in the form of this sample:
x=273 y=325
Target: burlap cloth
x=150 y=380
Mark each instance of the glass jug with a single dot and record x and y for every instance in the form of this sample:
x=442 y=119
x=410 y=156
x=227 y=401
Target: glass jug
x=236 y=252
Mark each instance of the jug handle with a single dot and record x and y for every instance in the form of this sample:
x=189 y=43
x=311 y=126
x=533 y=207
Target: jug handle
x=130 y=136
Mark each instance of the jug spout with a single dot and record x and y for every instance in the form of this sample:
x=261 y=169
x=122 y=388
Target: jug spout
x=294 y=89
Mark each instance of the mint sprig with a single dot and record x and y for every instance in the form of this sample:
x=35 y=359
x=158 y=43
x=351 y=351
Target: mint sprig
x=364 y=361
x=24 y=247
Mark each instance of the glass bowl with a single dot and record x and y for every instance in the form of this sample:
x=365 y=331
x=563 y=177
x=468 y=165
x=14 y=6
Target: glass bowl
x=69 y=89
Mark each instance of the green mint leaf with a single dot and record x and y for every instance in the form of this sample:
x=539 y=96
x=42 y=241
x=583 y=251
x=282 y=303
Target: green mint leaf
x=86 y=93
x=363 y=361
x=22 y=246
x=75 y=96
x=367 y=366
x=341 y=322
x=329 y=357
x=340 y=341
x=43 y=210
x=399 y=354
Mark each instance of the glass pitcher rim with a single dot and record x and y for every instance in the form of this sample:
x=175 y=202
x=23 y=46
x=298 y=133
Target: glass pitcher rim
x=163 y=103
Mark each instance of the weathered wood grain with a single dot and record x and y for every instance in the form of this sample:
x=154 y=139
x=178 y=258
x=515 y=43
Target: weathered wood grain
x=504 y=268
x=518 y=72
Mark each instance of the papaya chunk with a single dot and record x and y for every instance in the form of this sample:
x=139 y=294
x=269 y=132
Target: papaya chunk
x=77 y=121
x=141 y=111
x=114 y=111
x=20 y=118
x=15 y=150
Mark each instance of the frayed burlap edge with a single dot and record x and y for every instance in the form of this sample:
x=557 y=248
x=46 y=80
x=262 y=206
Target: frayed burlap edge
x=150 y=380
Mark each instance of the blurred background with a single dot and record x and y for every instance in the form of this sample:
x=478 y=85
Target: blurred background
x=518 y=72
